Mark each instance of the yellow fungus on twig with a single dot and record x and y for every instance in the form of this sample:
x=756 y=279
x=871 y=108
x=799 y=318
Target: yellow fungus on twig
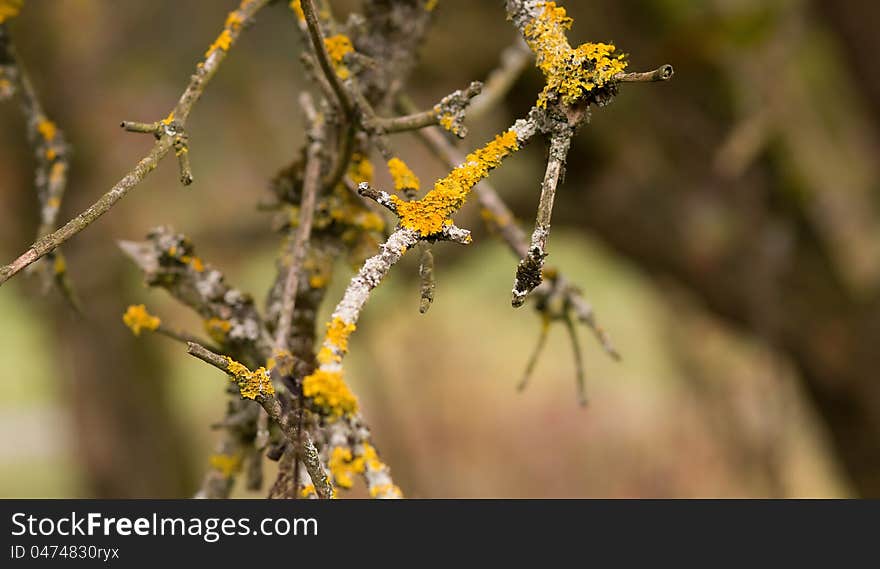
x=429 y=214
x=137 y=318
x=403 y=177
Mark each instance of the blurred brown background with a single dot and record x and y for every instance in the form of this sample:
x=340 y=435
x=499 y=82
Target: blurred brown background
x=725 y=226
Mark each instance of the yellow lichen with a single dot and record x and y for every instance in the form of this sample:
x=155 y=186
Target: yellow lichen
x=429 y=214
x=338 y=47
x=371 y=458
x=217 y=328
x=390 y=490
x=47 y=129
x=309 y=490
x=343 y=467
x=447 y=121
x=167 y=120
x=251 y=384
x=60 y=265
x=296 y=6
x=404 y=178
x=329 y=393
x=9 y=9
x=226 y=465
x=223 y=42
x=137 y=318
x=317 y=281
x=56 y=174
x=194 y=262
x=569 y=73
x=430 y=5
x=361 y=169
x=335 y=341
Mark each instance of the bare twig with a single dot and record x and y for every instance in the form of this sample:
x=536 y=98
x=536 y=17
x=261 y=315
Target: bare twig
x=311 y=184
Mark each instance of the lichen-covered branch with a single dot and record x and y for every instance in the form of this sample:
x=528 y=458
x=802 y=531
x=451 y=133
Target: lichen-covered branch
x=168 y=136
x=50 y=151
x=257 y=386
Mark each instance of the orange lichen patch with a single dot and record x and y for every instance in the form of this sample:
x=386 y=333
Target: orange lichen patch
x=223 y=42
x=403 y=177
x=226 y=465
x=431 y=4
x=251 y=384
x=343 y=467
x=338 y=47
x=54 y=201
x=194 y=262
x=329 y=393
x=570 y=73
x=217 y=328
x=317 y=281
x=361 y=169
x=335 y=341
x=429 y=214
x=167 y=120
x=9 y=9
x=309 y=490
x=386 y=490
x=47 y=129
x=137 y=318
x=233 y=21
x=296 y=6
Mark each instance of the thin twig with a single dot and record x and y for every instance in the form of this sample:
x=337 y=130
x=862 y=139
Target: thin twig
x=311 y=184
x=205 y=71
x=528 y=272
x=320 y=49
x=273 y=408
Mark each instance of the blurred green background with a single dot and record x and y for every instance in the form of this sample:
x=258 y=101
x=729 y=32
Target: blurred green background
x=724 y=226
